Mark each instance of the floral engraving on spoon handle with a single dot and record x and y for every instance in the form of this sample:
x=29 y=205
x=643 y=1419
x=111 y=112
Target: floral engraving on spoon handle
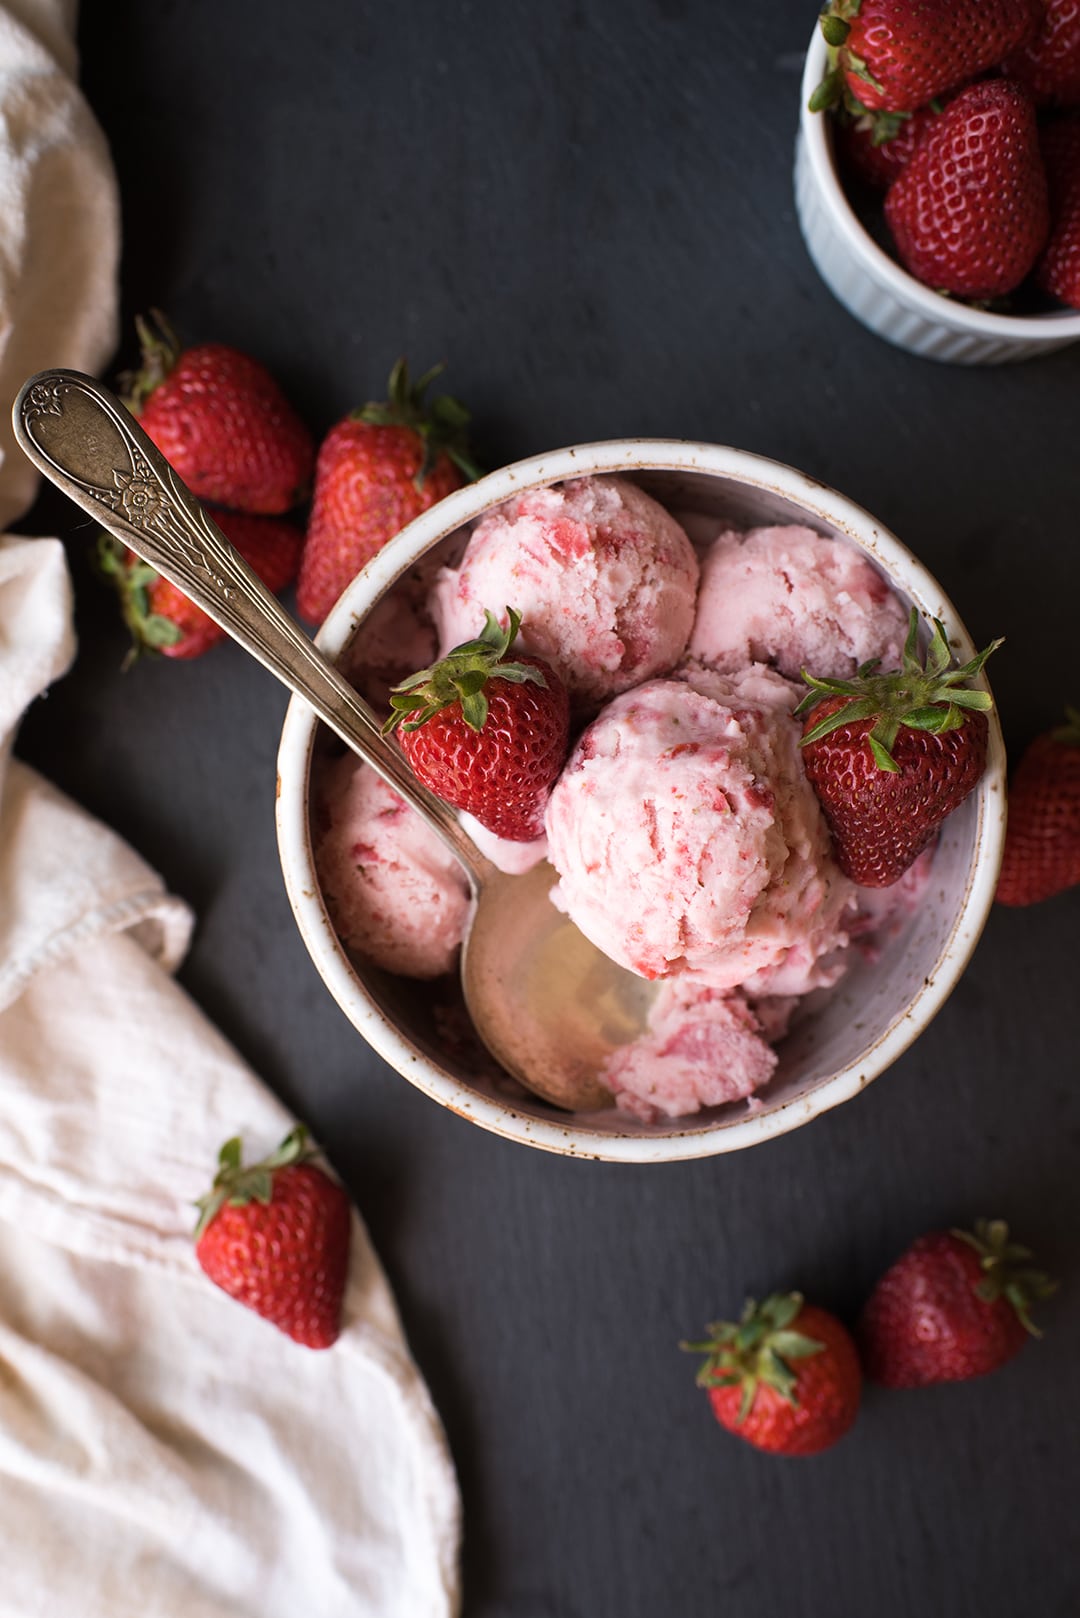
x=146 y=496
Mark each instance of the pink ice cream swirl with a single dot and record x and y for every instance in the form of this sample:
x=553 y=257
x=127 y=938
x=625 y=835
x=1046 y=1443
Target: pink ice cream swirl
x=604 y=578
x=687 y=838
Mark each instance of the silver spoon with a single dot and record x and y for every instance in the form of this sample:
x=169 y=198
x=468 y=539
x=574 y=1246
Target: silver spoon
x=549 y=1005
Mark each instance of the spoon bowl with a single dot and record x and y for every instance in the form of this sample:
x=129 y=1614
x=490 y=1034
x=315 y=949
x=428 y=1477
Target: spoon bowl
x=549 y=1005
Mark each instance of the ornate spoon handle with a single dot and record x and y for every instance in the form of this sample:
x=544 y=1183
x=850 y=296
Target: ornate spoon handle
x=83 y=439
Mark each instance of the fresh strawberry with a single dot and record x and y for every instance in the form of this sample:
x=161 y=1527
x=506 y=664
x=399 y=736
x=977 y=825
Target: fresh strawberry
x=221 y=421
x=969 y=214
x=785 y=1377
x=954 y=1306
x=890 y=756
x=1058 y=271
x=896 y=55
x=376 y=470
x=1042 y=839
x=161 y=618
x=1049 y=64
x=275 y=1236
x=876 y=151
x=485 y=734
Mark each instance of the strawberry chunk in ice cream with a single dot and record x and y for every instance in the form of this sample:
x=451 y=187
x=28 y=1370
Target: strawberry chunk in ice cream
x=604 y=578
x=796 y=599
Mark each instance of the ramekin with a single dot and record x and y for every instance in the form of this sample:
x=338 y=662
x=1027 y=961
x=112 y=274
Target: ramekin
x=875 y=289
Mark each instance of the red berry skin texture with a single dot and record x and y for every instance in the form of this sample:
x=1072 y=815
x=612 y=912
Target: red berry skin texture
x=828 y=1391
x=1058 y=270
x=270 y=546
x=879 y=165
x=286 y=1259
x=881 y=822
x=1042 y=837
x=1048 y=66
x=366 y=491
x=924 y=1322
x=919 y=49
x=225 y=426
x=502 y=774
x=969 y=213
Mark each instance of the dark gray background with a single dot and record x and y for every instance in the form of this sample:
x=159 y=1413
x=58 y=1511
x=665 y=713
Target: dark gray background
x=586 y=211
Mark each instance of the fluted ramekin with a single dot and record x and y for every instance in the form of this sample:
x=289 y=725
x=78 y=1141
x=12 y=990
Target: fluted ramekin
x=875 y=289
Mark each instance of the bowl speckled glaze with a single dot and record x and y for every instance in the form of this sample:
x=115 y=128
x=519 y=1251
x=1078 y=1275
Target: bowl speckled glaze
x=874 y=287
x=864 y=1024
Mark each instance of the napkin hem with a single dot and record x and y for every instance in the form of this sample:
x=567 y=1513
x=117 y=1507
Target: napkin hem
x=158 y=921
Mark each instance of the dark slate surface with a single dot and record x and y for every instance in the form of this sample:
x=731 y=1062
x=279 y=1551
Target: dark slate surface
x=586 y=210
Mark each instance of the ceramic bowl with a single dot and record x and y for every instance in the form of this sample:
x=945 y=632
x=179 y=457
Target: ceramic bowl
x=867 y=1021
x=874 y=288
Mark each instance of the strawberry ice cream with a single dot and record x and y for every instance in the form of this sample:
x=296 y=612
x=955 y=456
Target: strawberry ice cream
x=687 y=838
x=796 y=599
x=604 y=578
x=394 y=892
x=702 y=1049
x=688 y=841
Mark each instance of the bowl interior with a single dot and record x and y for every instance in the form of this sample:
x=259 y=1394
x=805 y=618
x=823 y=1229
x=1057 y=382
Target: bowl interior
x=835 y=1046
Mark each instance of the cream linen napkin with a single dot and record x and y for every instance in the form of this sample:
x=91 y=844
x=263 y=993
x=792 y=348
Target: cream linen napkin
x=162 y=1450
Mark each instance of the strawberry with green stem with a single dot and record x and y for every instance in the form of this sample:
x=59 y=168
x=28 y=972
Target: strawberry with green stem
x=891 y=755
x=785 y=1377
x=891 y=57
x=957 y=1304
x=485 y=733
x=220 y=420
x=376 y=470
x=275 y=1235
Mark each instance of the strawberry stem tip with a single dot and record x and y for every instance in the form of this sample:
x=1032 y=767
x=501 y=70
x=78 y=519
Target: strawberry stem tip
x=461 y=677
x=1006 y=1271
x=238 y=1185
x=924 y=694
x=756 y=1349
x=835 y=89
x=160 y=350
x=1069 y=732
x=441 y=424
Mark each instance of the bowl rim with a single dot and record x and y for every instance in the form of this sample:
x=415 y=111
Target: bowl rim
x=1049 y=327
x=500 y=1115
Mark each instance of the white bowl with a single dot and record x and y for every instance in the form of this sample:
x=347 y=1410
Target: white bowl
x=874 y=287
x=870 y=1018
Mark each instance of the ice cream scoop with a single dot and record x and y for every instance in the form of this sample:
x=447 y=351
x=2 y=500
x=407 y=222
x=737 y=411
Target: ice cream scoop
x=548 y=1004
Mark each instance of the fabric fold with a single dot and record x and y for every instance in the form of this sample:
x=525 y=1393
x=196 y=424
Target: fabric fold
x=162 y=1449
